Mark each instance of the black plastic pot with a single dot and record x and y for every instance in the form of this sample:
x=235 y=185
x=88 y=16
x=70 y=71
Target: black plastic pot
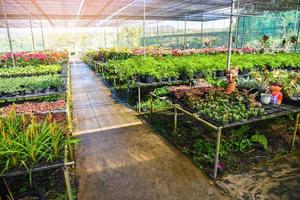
x=199 y=74
x=220 y=73
x=138 y=78
x=148 y=79
x=270 y=69
x=289 y=68
x=183 y=77
x=174 y=79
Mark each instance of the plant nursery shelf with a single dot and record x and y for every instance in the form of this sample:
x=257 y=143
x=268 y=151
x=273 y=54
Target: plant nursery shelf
x=31 y=96
x=38 y=169
x=271 y=112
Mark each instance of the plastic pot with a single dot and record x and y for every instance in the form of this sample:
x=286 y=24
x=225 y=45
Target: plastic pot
x=220 y=73
x=199 y=74
x=149 y=79
x=183 y=77
x=265 y=98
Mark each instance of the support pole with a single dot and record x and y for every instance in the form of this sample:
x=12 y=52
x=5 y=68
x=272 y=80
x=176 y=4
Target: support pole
x=144 y=29
x=104 y=32
x=139 y=98
x=295 y=131
x=32 y=36
x=43 y=37
x=230 y=36
x=297 y=20
x=297 y=37
x=218 y=144
x=151 y=108
x=237 y=25
x=118 y=41
x=202 y=33
x=157 y=36
x=8 y=34
x=184 y=40
x=175 y=124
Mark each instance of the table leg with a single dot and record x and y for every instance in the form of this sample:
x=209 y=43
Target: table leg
x=295 y=131
x=175 y=124
x=151 y=108
x=139 y=99
x=218 y=144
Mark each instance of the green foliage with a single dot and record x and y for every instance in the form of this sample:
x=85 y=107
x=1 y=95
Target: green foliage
x=16 y=86
x=171 y=66
x=157 y=105
x=30 y=70
x=161 y=91
x=225 y=108
x=26 y=143
x=203 y=153
x=260 y=139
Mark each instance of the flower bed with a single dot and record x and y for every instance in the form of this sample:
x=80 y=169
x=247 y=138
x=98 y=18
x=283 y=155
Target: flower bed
x=10 y=87
x=35 y=107
x=106 y=55
x=33 y=58
x=30 y=71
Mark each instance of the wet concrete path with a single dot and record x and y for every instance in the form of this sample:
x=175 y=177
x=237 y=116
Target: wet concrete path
x=120 y=158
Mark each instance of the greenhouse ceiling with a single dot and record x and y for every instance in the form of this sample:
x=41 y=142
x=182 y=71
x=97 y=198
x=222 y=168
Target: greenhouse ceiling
x=83 y=13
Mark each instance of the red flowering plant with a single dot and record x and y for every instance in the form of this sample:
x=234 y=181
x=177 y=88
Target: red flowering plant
x=32 y=58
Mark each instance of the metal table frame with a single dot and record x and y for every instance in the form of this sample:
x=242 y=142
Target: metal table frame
x=219 y=128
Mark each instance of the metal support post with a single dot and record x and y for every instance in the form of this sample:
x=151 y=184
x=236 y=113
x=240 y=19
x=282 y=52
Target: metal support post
x=32 y=36
x=237 y=25
x=43 y=37
x=218 y=145
x=230 y=36
x=151 y=107
x=175 y=124
x=297 y=21
x=295 y=131
x=8 y=34
x=184 y=41
x=144 y=29
x=118 y=41
x=139 y=98
x=202 y=34
x=157 y=36
x=104 y=32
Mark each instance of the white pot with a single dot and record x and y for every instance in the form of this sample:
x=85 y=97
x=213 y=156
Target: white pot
x=265 y=98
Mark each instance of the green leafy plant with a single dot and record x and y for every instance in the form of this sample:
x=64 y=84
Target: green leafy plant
x=260 y=139
x=26 y=143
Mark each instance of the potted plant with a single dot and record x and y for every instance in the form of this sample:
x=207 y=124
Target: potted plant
x=265 y=98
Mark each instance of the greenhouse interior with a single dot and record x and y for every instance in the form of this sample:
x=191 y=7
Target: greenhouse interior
x=149 y=99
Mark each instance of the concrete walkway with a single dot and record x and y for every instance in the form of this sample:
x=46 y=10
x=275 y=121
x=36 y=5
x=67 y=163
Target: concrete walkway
x=120 y=158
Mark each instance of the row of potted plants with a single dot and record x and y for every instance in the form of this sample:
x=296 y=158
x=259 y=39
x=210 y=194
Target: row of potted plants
x=30 y=71
x=30 y=85
x=33 y=58
x=197 y=65
x=214 y=104
x=260 y=81
x=106 y=55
